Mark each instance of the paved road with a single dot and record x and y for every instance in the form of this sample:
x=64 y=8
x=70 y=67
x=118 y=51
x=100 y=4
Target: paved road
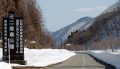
x=82 y=61
x=79 y=61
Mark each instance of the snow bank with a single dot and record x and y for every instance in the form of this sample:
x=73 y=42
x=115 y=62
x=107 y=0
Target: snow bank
x=46 y=57
x=0 y=40
x=41 y=58
x=108 y=57
x=3 y=65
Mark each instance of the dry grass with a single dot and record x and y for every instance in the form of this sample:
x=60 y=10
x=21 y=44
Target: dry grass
x=0 y=44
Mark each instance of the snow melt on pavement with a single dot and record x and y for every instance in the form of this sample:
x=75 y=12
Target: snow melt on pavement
x=41 y=58
x=108 y=57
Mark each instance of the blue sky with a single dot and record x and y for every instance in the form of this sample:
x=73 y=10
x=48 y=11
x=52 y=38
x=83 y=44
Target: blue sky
x=60 y=13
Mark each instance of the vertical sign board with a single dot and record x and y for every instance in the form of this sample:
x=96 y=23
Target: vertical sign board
x=5 y=38
x=13 y=30
x=19 y=38
x=11 y=34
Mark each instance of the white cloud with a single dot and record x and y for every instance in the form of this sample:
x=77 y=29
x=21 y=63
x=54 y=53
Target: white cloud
x=94 y=9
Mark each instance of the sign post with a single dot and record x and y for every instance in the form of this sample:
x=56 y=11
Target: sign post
x=13 y=38
x=8 y=51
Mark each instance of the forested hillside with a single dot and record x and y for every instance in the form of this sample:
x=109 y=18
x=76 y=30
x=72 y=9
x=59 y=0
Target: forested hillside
x=107 y=35
x=34 y=29
x=102 y=34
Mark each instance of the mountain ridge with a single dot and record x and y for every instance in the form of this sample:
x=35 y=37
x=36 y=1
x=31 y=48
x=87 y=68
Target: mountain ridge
x=61 y=35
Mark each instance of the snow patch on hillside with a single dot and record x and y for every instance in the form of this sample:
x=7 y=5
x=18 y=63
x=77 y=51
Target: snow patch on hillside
x=80 y=24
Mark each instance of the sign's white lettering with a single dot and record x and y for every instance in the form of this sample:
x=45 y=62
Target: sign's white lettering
x=11 y=28
x=11 y=40
x=11 y=34
x=11 y=16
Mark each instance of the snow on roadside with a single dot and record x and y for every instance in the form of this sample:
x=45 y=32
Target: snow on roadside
x=41 y=58
x=0 y=40
x=108 y=57
x=46 y=57
x=3 y=65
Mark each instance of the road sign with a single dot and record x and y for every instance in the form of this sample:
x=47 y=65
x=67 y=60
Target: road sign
x=13 y=30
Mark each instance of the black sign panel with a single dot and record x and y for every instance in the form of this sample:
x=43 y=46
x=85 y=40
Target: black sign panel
x=13 y=30
x=5 y=38
x=19 y=36
x=11 y=34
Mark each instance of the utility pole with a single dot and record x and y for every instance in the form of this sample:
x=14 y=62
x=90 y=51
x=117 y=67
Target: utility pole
x=61 y=43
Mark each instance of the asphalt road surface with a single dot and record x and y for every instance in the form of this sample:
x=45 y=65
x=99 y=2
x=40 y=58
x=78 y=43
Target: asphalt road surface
x=79 y=61
x=82 y=61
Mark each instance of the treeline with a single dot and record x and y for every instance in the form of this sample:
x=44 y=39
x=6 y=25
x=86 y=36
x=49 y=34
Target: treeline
x=33 y=21
x=88 y=37
x=110 y=43
x=79 y=37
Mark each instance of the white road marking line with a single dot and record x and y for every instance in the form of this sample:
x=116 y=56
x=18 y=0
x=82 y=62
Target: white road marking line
x=83 y=61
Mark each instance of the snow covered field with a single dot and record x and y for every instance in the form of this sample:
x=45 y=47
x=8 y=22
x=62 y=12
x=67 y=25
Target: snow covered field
x=108 y=57
x=43 y=57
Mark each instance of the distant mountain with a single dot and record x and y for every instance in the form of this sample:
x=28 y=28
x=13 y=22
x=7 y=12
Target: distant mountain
x=62 y=34
x=50 y=32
